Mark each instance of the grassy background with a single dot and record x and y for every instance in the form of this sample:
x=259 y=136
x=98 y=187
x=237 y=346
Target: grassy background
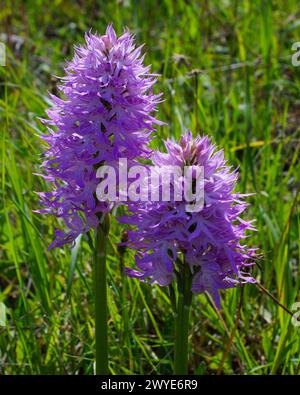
x=226 y=70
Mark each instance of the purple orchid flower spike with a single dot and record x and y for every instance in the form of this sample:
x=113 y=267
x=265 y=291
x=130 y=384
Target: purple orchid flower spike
x=106 y=113
x=209 y=239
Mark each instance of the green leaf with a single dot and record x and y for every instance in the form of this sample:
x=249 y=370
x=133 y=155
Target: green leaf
x=2 y=314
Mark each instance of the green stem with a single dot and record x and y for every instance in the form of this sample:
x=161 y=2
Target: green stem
x=101 y=240
x=182 y=324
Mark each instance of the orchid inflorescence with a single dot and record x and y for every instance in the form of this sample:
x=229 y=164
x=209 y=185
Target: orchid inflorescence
x=105 y=115
x=166 y=236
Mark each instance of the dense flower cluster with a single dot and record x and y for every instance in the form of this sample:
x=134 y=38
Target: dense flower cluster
x=105 y=115
x=209 y=241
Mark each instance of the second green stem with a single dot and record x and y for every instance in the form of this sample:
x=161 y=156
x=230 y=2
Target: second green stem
x=182 y=316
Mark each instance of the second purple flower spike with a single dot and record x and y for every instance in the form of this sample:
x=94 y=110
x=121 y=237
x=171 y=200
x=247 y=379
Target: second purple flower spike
x=208 y=241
